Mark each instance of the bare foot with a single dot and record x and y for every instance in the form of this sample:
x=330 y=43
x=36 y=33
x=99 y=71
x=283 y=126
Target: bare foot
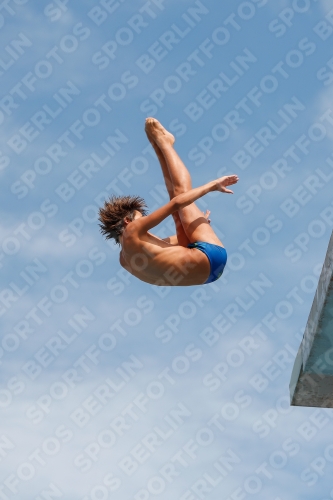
x=154 y=145
x=150 y=136
x=157 y=133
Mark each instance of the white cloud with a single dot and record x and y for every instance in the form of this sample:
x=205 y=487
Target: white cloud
x=324 y=103
x=326 y=5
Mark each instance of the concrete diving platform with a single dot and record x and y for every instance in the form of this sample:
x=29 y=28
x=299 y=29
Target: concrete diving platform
x=311 y=381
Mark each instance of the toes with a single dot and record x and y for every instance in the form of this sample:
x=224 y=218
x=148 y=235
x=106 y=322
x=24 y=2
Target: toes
x=150 y=126
x=149 y=122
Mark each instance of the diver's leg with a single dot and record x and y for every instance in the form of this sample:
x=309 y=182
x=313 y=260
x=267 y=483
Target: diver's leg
x=181 y=235
x=195 y=225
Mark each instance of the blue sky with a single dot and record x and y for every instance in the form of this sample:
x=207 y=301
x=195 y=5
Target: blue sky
x=112 y=388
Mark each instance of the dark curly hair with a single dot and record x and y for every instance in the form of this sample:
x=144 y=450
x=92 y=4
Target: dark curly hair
x=115 y=210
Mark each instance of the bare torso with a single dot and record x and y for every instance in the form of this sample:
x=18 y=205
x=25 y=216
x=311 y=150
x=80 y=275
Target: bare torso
x=157 y=262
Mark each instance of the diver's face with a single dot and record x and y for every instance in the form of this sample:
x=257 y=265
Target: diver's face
x=137 y=215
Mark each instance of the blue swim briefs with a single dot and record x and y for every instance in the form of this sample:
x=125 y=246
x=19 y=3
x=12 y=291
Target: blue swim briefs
x=217 y=257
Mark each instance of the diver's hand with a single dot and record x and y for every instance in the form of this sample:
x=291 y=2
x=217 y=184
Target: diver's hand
x=223 y=182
